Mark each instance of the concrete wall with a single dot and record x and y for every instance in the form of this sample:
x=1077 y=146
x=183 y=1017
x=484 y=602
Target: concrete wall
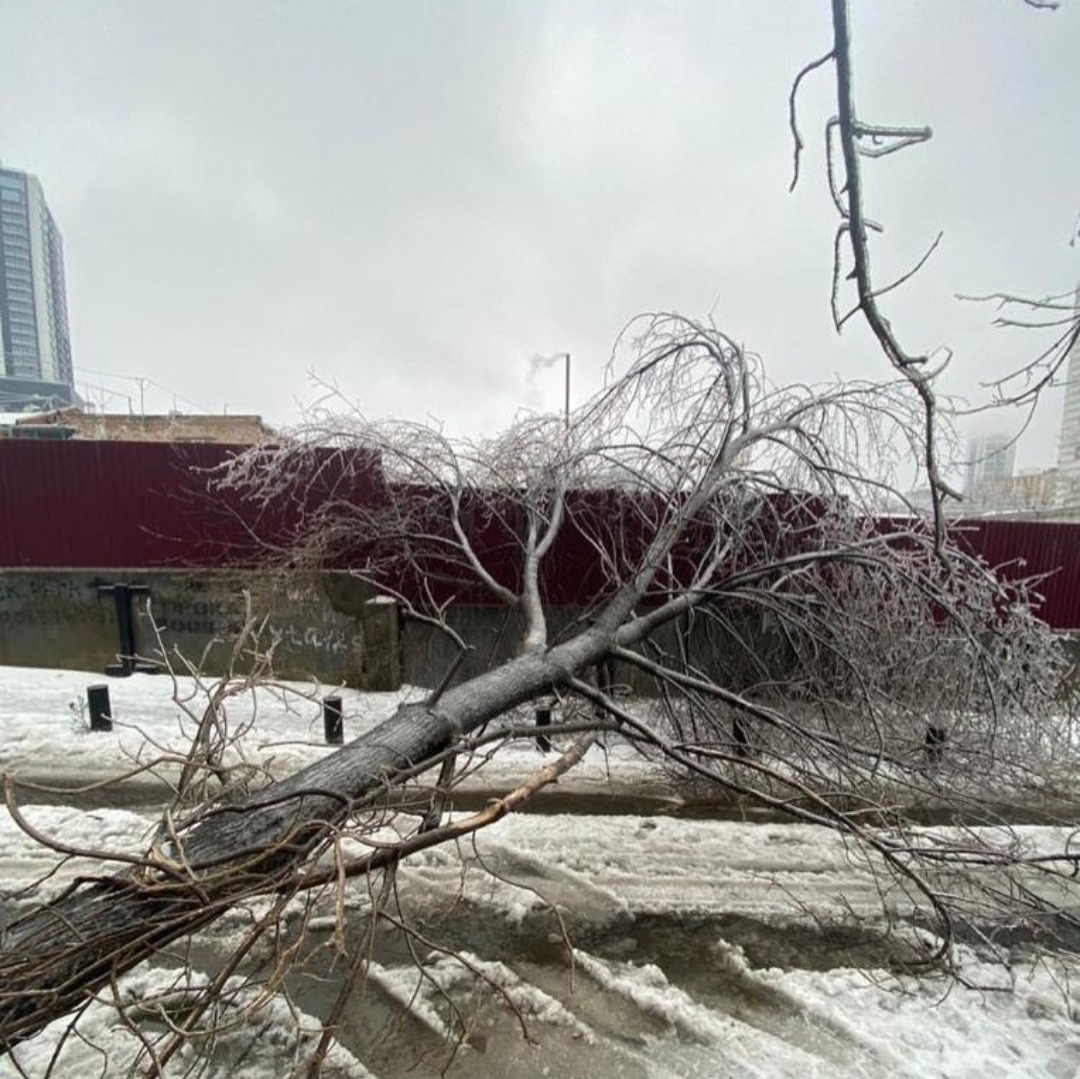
x=331 y=629
x=320 y=628
x=748 y=653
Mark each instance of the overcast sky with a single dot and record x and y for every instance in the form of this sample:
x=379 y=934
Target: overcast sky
x=412 y=199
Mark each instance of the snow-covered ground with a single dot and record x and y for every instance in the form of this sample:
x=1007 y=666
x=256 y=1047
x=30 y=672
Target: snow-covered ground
x=45 y=724
x=696 y=948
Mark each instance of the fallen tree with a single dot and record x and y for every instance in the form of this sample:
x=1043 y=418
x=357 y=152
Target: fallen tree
x=801 y=655
x=716 y=500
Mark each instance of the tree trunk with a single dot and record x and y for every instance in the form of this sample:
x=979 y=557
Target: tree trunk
x=52 y=958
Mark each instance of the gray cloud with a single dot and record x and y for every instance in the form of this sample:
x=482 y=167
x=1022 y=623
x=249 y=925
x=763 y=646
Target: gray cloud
x=414 y=199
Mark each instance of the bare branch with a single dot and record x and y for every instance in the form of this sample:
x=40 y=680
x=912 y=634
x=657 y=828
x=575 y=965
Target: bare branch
x=796 y=139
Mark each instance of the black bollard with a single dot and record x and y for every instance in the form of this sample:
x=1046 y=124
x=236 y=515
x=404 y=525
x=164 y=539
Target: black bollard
x=934 y=743
x=97 y=699
x=333 y=726
x=543 y=719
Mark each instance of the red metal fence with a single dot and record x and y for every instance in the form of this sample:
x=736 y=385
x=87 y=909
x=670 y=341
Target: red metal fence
x=1048 y=549
x=149 y=505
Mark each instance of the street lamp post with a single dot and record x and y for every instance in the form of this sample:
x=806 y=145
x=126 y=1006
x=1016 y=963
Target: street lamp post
x=566 y=403
x=542 y=363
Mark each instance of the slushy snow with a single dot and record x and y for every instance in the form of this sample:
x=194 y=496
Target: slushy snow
x=790 y=1021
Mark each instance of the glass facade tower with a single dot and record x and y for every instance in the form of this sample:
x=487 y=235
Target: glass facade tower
x=35 y=345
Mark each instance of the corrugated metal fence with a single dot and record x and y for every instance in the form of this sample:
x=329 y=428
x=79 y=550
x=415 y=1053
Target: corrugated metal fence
x=149 y=505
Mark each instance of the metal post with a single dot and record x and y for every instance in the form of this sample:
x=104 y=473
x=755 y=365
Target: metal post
x=97 y=699
x=934 y=743
x=566 y=404
x=333 y=725
x=125 y=625
x=543 y=719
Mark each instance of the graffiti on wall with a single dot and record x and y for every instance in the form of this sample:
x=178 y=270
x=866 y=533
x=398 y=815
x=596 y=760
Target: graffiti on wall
x=206 y=617
x=332 y=640
x=217 y=617
x=42 y=601
x=61 y=619
x=42 y=590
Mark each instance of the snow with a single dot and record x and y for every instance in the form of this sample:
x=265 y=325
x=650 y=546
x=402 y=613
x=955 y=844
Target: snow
x=46 y=728
x=629 y=1015
x=248 y=1035
x=25 y=860
x=47 y=734
x=1019 y=1026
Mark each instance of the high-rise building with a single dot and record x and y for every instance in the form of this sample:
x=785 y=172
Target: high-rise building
x=990 y=460
x=35 y=346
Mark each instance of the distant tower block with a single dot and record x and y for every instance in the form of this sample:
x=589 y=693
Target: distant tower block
x=35 y=346
x=990 y=460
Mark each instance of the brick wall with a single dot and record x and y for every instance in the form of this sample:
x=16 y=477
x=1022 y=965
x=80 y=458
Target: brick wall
x=236 y=430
